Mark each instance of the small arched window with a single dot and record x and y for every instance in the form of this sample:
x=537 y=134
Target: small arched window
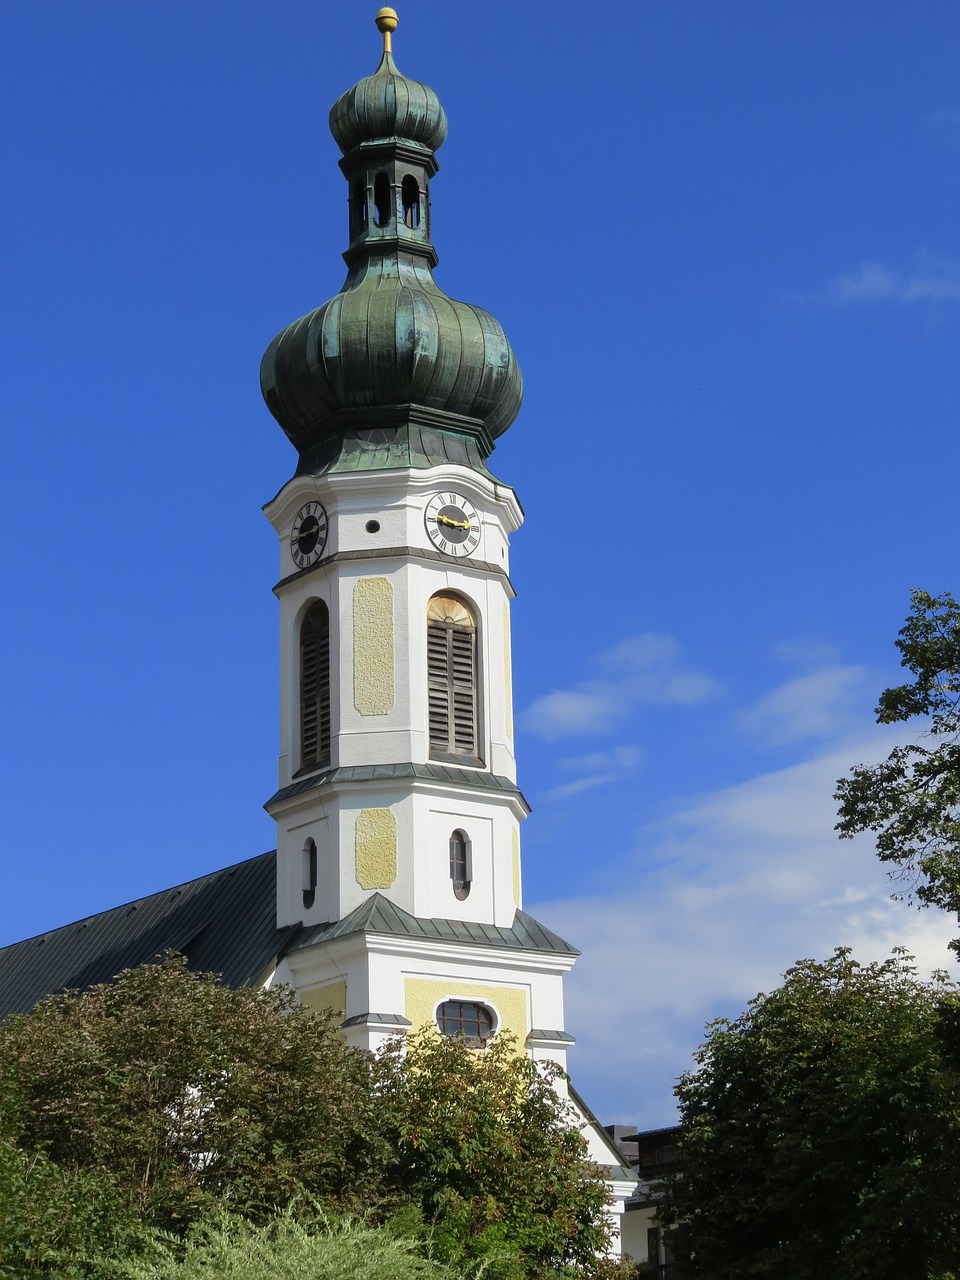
x=410 y=194
x=452 y=681
x=315 y=687
x=465 y=1018
x=309 y=873
x=381 y=200
x=460 y=871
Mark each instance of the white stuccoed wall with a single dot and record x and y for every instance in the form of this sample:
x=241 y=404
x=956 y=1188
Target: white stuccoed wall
x=379 y=693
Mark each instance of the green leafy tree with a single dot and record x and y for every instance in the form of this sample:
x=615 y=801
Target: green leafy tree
x=911 y=801
x=821 y=1131
x=161 y=1101
x=193 y=1096
x=52 y=1220
x=488 y=1149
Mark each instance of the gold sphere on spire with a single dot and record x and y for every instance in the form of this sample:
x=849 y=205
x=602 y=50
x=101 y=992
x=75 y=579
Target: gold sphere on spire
x=387 y=20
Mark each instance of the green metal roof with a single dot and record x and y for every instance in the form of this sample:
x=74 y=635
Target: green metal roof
x=396 y=445
x=388 y=105
x=379 y=915
x=391 y=371
x=223 y=923
x=474 y=778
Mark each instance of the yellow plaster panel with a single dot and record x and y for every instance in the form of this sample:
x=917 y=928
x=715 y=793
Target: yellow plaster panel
x=516 y=866
x=332 y=996
x=422 y=995
x=507 y=671
x=376 y=848
x=373 y=646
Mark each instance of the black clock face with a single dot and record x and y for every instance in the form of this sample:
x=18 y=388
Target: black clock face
x=309 y=535
x=453 y=525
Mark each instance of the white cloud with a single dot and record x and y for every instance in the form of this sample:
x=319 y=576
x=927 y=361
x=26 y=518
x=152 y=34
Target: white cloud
x=595 y=770
x=807 y=653
x=716 y=902
x=929 y=278
x=817 y=705
x=641 y=669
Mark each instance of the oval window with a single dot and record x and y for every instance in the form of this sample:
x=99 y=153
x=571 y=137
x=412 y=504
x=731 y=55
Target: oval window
x=460 y=865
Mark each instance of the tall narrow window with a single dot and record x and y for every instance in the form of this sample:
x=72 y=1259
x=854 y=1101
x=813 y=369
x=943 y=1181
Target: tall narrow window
x=452 y=680
x=410 y=193
x=460 y=865
x=381 y=200
x=315 y=687
x=358 y=209
x=309 y=873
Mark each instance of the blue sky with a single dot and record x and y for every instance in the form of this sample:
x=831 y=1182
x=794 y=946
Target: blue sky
x=724 y=243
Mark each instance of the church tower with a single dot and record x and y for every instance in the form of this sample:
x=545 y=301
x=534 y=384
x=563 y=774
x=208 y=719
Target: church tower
x=398 y=812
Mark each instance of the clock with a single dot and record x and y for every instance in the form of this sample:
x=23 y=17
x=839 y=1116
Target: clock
x=308 y=536
x=453 y=525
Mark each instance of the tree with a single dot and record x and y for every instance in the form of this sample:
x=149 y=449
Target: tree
x=489 y=1150
x=162 y=1100
x=52 y=1218
x=193 y=1096
x=821 y=1131
x=911 y=801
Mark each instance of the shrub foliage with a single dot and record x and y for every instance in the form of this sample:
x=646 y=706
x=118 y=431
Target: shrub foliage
x=146 y=1109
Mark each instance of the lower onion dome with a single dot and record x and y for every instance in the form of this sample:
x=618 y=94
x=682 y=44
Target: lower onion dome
x=391 y=339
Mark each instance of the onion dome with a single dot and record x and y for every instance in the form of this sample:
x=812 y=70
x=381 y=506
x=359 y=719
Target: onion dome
x=388 y=105
x=391 y=372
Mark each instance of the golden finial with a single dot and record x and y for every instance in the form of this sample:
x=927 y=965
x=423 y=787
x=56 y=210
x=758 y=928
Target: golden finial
x=387 y=23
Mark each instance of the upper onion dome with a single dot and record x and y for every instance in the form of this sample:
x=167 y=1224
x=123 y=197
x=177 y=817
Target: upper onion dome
x=388 y=105
x=391 y=371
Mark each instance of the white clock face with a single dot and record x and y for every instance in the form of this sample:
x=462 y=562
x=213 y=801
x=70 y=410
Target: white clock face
x=453 y=525
x=308 y=536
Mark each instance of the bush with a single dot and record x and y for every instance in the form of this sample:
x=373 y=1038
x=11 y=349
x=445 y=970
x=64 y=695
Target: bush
x=287 y=1249
x=193 y=1095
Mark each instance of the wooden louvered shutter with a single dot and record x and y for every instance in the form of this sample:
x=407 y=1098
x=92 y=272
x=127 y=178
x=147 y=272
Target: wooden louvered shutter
x=452 y=680
x=463 y=689
x=438 y=695
x=315 y=687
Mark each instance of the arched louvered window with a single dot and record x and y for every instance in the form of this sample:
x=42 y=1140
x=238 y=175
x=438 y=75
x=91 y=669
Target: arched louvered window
x=460 y=865
x=315 y=687
x=452 y=681
x=465 y=1018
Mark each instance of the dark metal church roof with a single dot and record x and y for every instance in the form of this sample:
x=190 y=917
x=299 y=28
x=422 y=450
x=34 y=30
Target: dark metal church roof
x=223 y=923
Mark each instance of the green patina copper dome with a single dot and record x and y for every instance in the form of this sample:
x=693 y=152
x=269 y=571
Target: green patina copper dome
x=391 y=337
x=388 y=105
x=391 y=371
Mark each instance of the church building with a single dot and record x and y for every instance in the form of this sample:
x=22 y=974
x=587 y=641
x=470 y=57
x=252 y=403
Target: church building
x=395 y=895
